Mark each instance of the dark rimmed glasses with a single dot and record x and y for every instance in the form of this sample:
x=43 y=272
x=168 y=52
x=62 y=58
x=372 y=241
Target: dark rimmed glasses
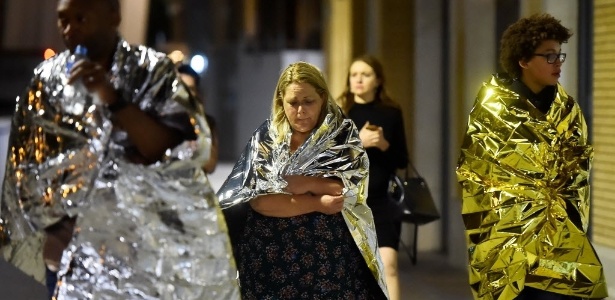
x=553 y=57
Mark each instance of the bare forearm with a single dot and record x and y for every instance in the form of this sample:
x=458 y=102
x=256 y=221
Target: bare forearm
x=283 y=205
x=151 y=137
x=301 y=184
x=326 y=186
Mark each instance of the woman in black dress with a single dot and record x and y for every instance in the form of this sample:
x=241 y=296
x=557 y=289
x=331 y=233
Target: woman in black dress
x=366 y=102
x=308 y=231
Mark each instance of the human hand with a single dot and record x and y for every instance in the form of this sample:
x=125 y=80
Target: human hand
x=298 y=184
x=94 y=78
x=330 y=204
x=373 y=136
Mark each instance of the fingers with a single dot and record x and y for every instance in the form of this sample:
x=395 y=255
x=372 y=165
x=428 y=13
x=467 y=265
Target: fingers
x=371 y=127
x=335 y=204
x=337 y=198
x=89 y=72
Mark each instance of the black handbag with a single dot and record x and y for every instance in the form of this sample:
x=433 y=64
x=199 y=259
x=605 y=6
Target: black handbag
x=413 y=198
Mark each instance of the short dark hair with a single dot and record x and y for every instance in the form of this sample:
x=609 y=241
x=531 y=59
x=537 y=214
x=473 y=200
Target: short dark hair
x=188 y=70
x=115 y=5
x=521 y=39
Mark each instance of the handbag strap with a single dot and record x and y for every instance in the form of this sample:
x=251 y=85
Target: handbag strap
x=411 y=166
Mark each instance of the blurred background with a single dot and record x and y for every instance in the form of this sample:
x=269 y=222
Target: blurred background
x=435 y=55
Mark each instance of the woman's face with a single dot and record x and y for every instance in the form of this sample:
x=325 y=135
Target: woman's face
x=537 y=73
x=302 y=105
x=363 y=81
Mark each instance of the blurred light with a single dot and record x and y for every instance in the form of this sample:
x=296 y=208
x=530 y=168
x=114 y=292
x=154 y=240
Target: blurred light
x=199 y=63
x=176 y=56
x=49 y=53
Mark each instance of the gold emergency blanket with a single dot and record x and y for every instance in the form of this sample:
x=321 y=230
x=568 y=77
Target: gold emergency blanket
x=332 y=150
x=146 y=232
x=525 y=183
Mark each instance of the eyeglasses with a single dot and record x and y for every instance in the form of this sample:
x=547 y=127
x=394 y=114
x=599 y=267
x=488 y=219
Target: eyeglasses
x=552 y=57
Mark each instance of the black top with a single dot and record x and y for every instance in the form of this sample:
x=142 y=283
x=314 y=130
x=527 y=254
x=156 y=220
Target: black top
x=382 y=164
x=542 y=100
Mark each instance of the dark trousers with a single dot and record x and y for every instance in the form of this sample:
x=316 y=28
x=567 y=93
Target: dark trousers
x=51 y=279
x=529 y=293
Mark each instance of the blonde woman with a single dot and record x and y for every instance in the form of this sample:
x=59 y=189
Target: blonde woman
x=308 y=232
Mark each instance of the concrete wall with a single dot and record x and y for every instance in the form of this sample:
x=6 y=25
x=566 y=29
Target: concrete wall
x=5 y=128
x=30 y=24
x=472 y=55
x=256 y=82
x=428 y=105
x=134 y=20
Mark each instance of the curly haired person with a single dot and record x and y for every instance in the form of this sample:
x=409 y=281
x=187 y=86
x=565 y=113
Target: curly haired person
x=524 y=172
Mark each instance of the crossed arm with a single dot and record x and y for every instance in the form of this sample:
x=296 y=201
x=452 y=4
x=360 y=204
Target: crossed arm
x=307 y=194
x=150 y=136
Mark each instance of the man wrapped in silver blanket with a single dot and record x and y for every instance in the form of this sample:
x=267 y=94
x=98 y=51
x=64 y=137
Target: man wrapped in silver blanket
x=104 y=189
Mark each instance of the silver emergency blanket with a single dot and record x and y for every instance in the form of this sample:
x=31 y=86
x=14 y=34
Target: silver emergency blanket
x=332 y=150
x=142 y=232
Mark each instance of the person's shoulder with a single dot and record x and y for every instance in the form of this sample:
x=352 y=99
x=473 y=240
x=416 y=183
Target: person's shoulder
x=562 y=92
x=499 y=81
x=389 y=110
x=211 y=121
x=264 y=127
x=52 y=66
x=153 y=52
x=148 y=55
x=497 y=86
x=263 y=131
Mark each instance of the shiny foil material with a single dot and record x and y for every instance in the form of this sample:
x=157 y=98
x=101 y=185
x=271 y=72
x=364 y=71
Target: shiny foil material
x=146 y=232
x=525 y=183
x=332 y=150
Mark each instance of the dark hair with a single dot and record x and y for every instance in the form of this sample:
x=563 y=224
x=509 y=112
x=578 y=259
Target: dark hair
x=115 y=5
x=521 y=39
x=188 y=70
x=346 y=99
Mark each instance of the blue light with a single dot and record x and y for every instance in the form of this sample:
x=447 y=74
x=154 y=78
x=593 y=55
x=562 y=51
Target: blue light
x=199 y=63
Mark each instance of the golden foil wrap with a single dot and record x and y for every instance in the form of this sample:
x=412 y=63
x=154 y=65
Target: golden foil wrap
x=147 y=232
x=525 y=184
x=332 y=150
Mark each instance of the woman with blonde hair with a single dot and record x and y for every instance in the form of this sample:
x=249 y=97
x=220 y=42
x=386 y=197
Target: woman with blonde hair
x=308 y=233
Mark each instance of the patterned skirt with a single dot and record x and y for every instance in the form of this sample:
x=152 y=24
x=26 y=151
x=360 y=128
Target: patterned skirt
x=312 y=256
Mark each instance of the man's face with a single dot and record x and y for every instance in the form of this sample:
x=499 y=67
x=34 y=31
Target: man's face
x=86 y=22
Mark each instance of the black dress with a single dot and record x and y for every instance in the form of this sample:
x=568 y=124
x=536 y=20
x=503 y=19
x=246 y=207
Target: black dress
x=311 y=256
x=382 y=164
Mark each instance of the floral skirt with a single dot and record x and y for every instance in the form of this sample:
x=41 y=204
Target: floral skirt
x=312 y=256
